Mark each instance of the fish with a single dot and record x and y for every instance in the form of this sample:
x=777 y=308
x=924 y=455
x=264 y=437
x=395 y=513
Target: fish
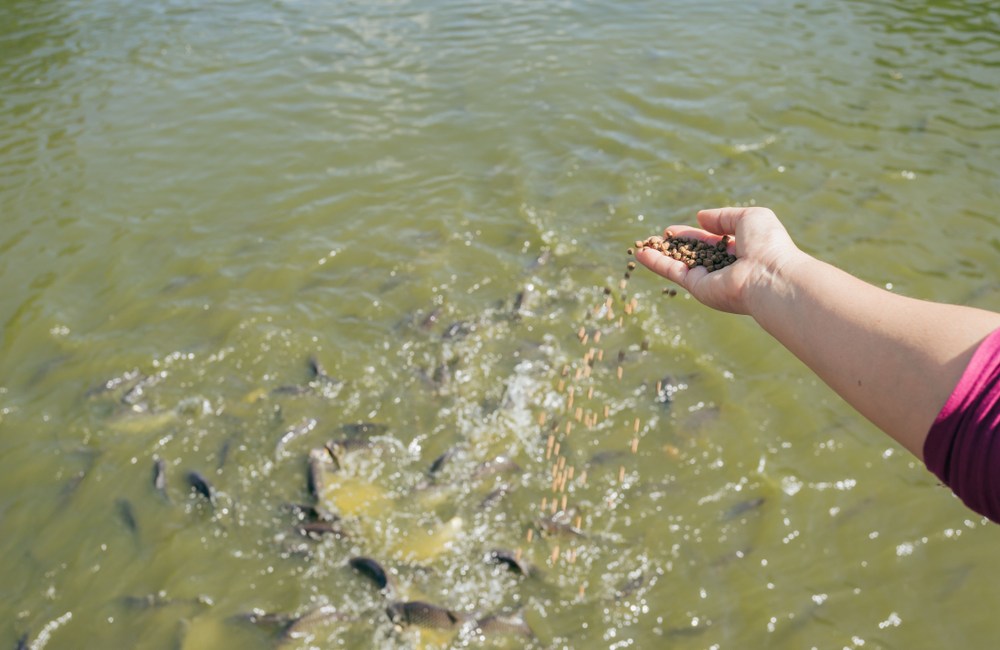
x=201 y=485
x=495 y=496
x=127 y=515
x=458 y=329
x=364 y=429
x=742 y=508
x=297 y=430
x=160 y=476
x=114 y=383
x=302 y=625
x=498 y=465
x=440 y=461
x=504 y=625
x=292 y=389
x=316 y=529
x=558 y=525
x=426 y=615
x=306 y=512
x=321 y=462
x=511 y=559
x=371 y=570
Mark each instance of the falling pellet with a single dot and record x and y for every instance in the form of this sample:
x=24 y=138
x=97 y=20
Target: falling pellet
x=530 y=535
x=555 y=449
x=635 y=426
x=620 y=371
x=621 y=473
x=635 y=445
x=564 y=503
x=555 y=554
x=541 y=419
x=597 y=337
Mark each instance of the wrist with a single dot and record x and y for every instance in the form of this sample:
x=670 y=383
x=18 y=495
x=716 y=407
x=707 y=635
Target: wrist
x=774 y=284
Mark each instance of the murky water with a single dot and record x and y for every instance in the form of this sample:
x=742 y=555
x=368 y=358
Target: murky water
x=429 y=200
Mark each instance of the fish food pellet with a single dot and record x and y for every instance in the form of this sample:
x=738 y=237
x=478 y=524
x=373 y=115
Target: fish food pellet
x=693 y=252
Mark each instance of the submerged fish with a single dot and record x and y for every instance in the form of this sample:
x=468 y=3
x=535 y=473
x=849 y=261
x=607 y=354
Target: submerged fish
x=371 y=570
x=364 y=429
x=201 y=485
x=511 y=559
x=160 y=476
x=504 y=625
x=298 y=429
x=127 y=515
x=421 y=614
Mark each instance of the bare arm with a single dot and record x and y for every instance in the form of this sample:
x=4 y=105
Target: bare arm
x=894 y=359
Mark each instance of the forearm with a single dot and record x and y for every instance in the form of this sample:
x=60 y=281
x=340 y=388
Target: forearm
x=893 y=358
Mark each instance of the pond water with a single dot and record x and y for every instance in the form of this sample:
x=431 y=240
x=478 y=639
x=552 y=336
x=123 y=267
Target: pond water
x=235 y=232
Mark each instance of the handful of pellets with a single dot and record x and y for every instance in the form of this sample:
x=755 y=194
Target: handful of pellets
x=692 y=252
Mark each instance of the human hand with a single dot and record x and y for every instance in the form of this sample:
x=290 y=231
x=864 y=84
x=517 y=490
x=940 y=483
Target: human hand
x=759 y=242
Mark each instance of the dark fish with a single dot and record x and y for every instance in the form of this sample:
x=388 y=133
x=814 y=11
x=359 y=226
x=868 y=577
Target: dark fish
x=127 y=515
x=291 y=626
x=160 y=476
x=458 y=329
x=423 y=614
x=316 y=529
x=307 y=512
x=113 y=383
x=320 y=464
x=440 y=461
x=635 y=580
x=302 y=625
x=73 y=484
x=494 y=497
x=668 y=387
x=518 y=302
x=201 y=486
x=509 y=558
x=292 y=389
x=557 y=525
x=22 y=643
x=371 y=570
x=364 y=429
x=274 y=621
x=504 y=625
x=498 y=465
x=430 y=319
x=149 y=601
x=742 y=508
x=298 y=429
x=317 y=369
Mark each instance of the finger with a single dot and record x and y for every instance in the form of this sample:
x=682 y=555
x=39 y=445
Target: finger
x=689 y=232
x=721 y=221
x=668 y=267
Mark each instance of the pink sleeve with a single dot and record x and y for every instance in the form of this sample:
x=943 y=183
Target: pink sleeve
x=963 y=445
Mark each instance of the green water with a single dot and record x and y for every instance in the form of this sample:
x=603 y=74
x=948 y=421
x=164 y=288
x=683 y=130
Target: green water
x=200 y=197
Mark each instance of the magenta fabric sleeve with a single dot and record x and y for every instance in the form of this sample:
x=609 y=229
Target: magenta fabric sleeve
x=963 y=445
